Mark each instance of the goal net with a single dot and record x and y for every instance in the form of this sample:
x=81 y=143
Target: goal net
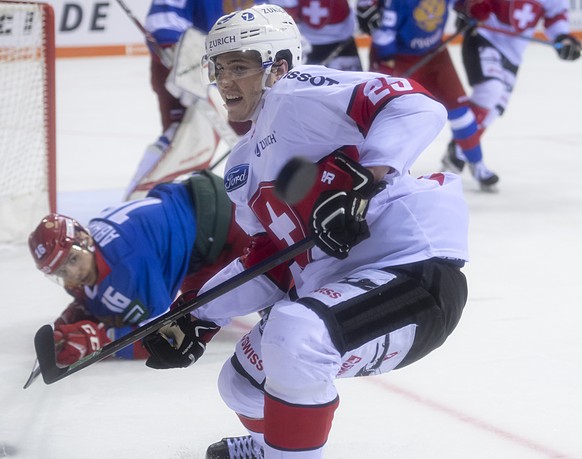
x=27 y=118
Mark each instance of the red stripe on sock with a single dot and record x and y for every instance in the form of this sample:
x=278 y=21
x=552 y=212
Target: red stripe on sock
x=291 y=427
x=252 y=424
x=470 y=142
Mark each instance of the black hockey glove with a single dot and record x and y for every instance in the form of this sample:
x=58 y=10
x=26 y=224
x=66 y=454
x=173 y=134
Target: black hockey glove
x=179 y=344
x=569 y=48
x=338 y=219
x=369 y=14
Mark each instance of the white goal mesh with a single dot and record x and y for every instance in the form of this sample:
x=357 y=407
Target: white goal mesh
x=27 y=118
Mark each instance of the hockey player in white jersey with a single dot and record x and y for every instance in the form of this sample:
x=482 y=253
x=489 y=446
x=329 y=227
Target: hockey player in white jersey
x=493 y=52
x=383 y=286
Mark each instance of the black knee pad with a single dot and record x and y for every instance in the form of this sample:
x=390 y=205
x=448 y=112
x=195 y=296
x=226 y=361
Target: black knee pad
x=429 y=294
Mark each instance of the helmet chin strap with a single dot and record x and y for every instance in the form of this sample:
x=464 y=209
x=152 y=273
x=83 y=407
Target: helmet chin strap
x=268 y=71
x=266 y=76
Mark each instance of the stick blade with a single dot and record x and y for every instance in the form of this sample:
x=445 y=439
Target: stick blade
x=34 y=374
x=45 y=353
x=295 y=180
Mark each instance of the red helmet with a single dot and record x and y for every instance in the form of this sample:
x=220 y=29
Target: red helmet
x=51 y=241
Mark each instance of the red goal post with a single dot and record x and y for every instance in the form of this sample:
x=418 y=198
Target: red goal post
x=27 y=117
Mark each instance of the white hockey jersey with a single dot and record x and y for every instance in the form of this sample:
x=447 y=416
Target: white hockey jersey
x=520 y=17
x=311 y=112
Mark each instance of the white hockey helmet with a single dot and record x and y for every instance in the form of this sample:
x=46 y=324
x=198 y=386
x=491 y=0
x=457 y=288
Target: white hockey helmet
x=266 y=29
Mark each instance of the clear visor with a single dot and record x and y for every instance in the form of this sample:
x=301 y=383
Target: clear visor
x=243 y=65
x=72 y=270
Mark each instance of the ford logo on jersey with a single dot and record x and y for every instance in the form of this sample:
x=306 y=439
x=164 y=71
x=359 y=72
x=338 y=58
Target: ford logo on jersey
x=236 y=177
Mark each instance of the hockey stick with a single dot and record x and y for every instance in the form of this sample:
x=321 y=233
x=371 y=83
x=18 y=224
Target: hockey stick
x=34 y=374
x=160 y=52
x=518 y=35
x=294 y=182
x=430 y=56
x=336 y=51
x=219 y=160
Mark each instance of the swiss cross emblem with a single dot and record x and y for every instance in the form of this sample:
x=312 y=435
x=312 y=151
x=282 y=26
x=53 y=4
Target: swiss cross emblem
x=319 y=13
x=523 y=14
x=315 y=13
x=283 y=223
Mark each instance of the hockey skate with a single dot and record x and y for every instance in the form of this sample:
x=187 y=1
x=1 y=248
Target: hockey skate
x=487 y=179
x=235 y=448
x=451 y=161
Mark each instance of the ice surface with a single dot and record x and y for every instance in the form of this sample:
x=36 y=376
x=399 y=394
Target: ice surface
x=507 y=384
